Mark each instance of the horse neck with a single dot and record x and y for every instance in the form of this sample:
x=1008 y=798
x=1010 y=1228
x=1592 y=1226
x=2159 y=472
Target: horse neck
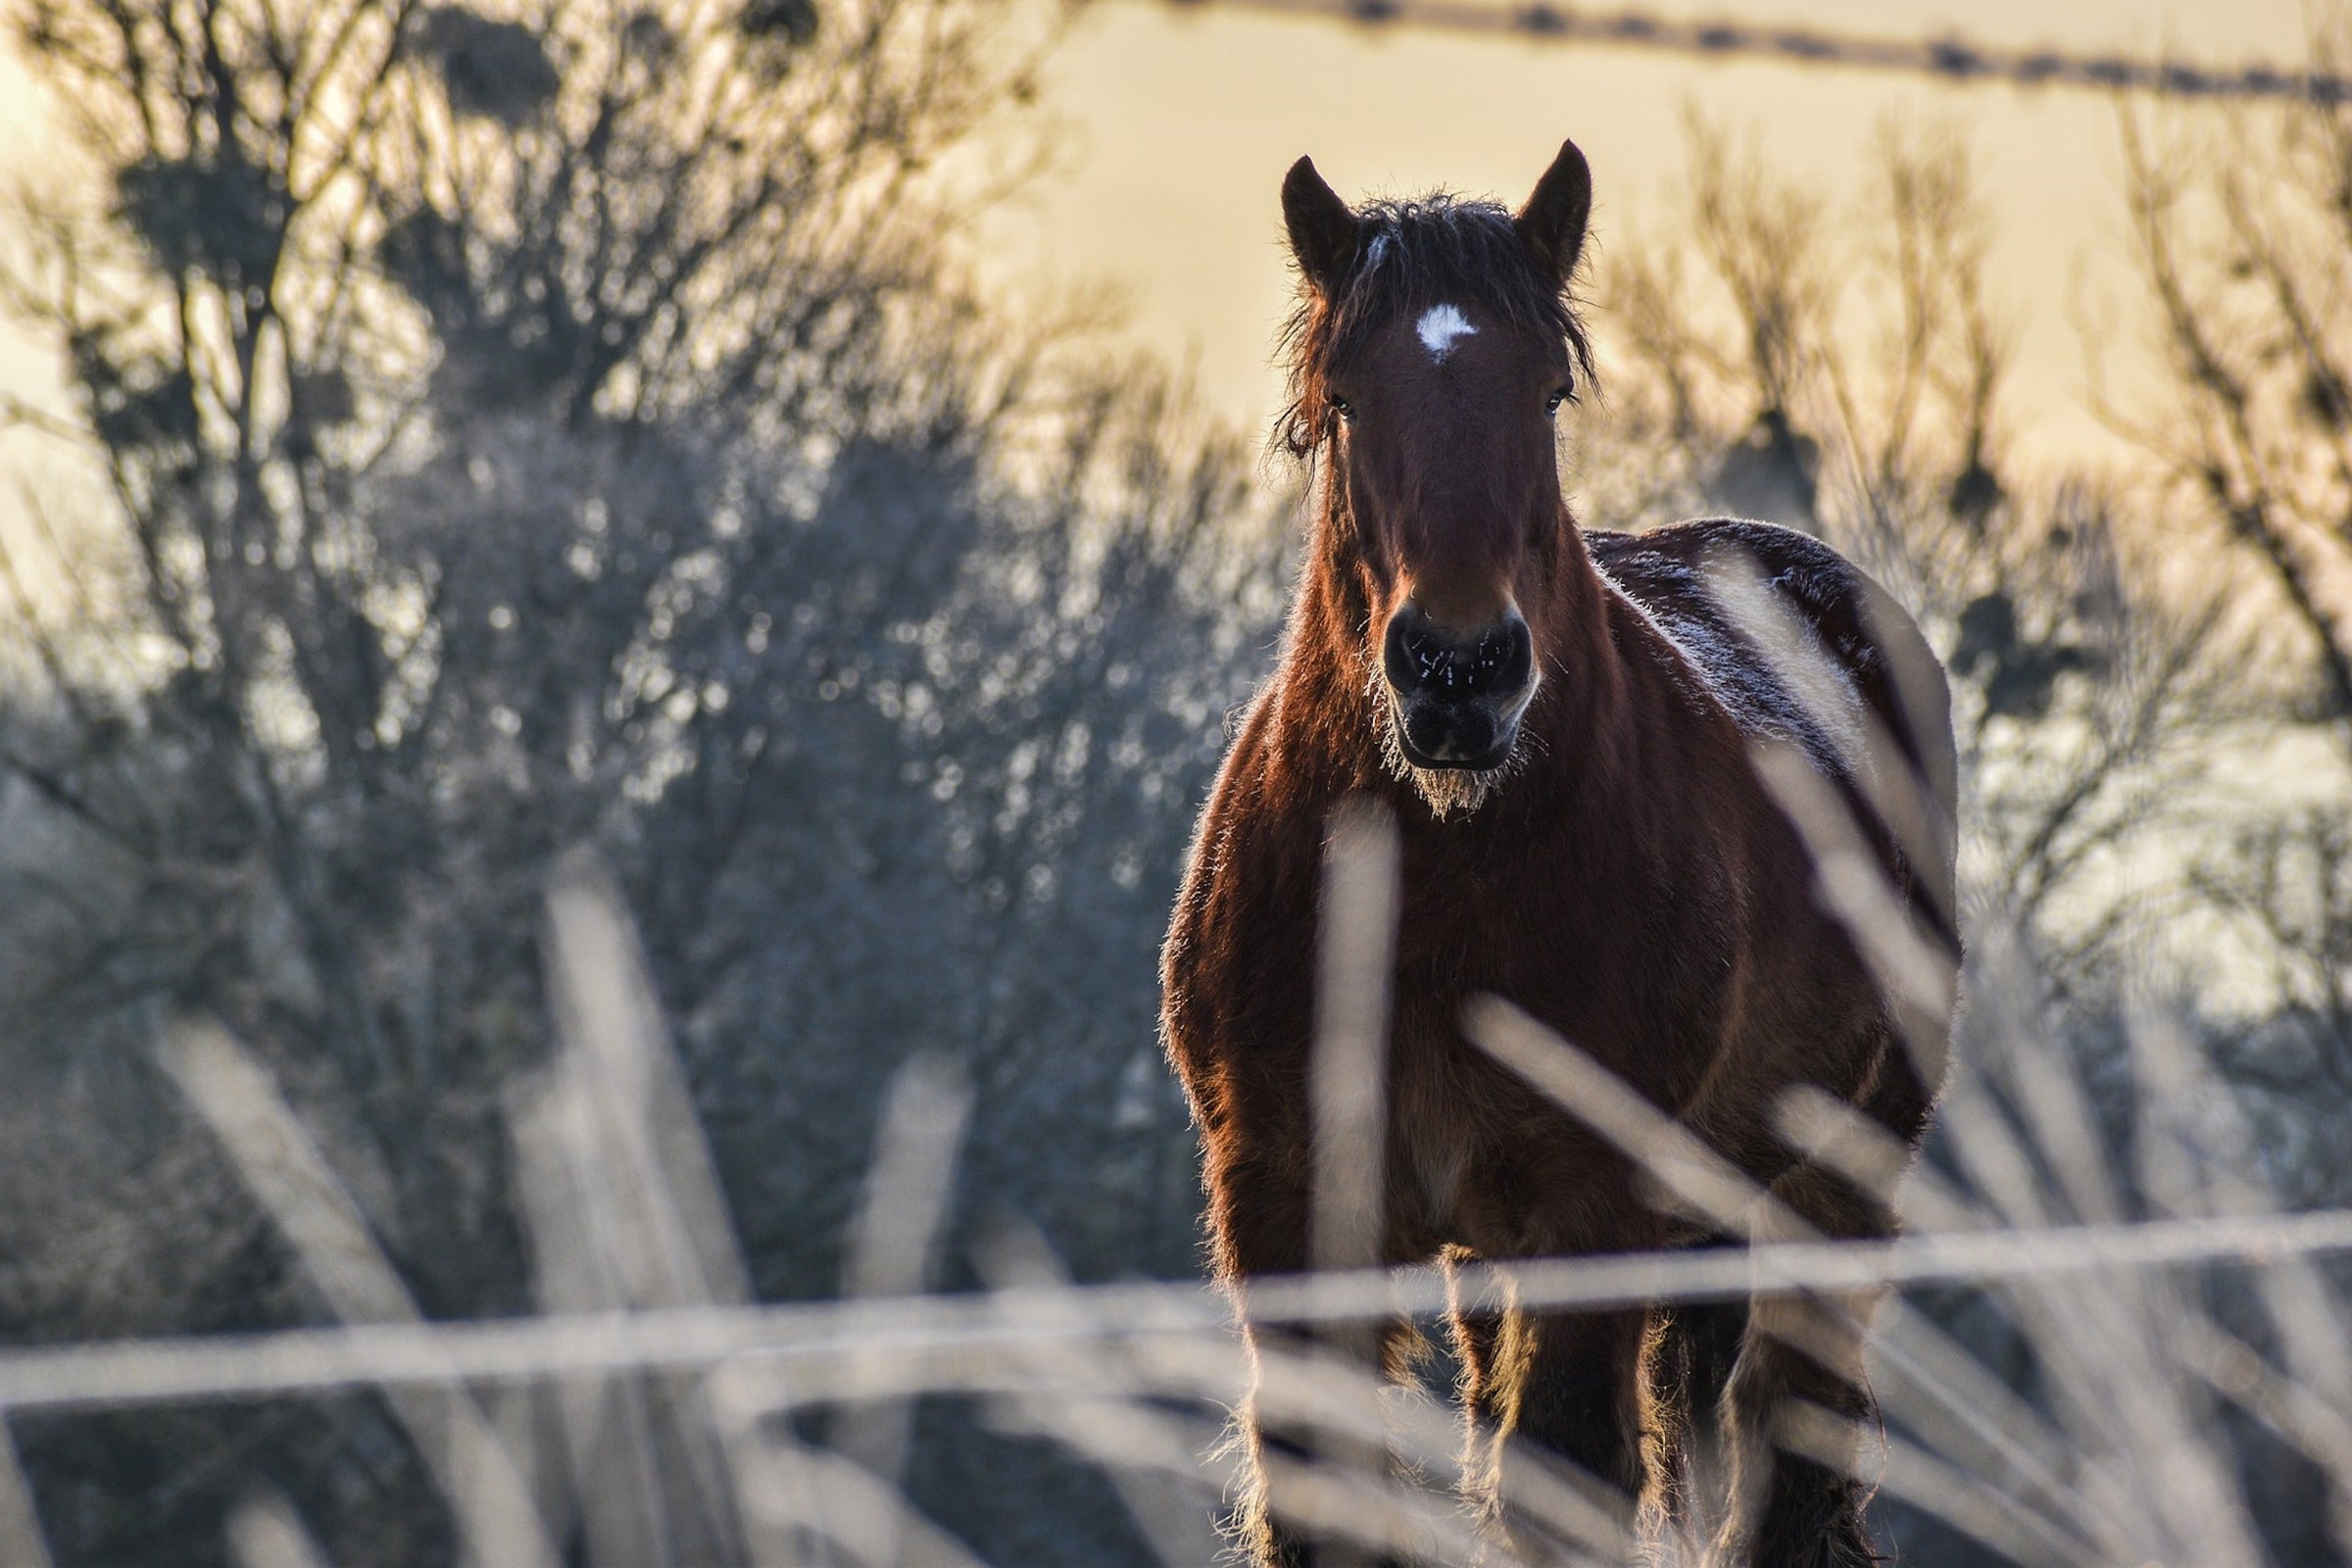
x=1580 y=722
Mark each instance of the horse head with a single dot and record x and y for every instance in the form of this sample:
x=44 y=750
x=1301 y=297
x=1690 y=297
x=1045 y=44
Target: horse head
x=1433 y=349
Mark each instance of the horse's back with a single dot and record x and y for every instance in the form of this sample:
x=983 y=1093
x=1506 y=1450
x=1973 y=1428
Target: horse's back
x=1750 y=605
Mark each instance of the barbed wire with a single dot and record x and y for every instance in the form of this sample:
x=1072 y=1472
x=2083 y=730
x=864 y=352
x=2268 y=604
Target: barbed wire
x=1951 y=59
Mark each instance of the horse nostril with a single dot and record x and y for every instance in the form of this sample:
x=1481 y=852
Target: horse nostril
x=1422 y=658
x=1505 y=658
x=1405 y=650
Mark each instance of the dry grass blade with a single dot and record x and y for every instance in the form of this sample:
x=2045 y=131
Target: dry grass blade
x=1974 y=1417
x=773 y=1492
x=1723 y=1196
x=2112 y=1381
x=627 y=1211
x=496 y=1517
x=1110 y=1371
x=1893 y=791
x=1161 y=1463
x=21 y=1537
x=1348 y=1090
x=629 y=1216
x=1094 y=1394
x=2197 y=1151
x=577 y=1243
x=2110 y=1378
x=908 y=1184
x=264 y=1531
x=1941 y=1490
x=846 y=1509
x=1358 y=913
x=1682 y=1163
x=1343 y=1506
x=1912 y=965
x=664 y=1191
x=908 y=1187
x=194 y=1367
x=1838 y=1136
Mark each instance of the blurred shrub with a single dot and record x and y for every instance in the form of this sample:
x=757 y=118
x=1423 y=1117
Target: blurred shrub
x=555 y=430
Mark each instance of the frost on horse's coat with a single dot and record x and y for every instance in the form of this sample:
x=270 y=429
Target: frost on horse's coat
x=1562 y=724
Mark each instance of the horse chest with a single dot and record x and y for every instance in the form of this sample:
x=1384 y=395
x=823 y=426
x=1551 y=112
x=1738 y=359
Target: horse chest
x=1627 y=960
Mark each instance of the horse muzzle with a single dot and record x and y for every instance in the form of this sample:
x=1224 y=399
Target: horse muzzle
x=1458 y=699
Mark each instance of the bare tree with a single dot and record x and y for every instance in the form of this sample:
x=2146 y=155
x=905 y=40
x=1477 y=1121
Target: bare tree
x=569 y=426
x=2242 y=238
x=2244 y=228
x=1843 y=371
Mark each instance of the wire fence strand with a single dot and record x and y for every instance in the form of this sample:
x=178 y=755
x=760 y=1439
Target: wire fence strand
x=306 y=1360
x=1951 y=59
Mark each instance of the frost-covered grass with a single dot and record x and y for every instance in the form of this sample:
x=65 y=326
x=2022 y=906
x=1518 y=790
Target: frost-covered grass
x=2084 y=1320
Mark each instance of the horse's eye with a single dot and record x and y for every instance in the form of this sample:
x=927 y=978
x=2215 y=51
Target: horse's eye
x=1551 y=404
x=1342 y=407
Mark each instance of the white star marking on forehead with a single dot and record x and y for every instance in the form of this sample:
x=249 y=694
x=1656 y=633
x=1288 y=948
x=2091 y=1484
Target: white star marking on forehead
x=1440 y=327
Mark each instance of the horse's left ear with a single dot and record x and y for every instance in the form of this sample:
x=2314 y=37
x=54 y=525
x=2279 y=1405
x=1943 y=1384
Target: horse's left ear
x=1324 y=235
x=1552 y=222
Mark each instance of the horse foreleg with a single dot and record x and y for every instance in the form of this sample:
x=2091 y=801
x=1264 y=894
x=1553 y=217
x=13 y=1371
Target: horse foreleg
x=1687 y=1364
x=1476 y=1309
x=1309 y=1429
x=1563 y=1468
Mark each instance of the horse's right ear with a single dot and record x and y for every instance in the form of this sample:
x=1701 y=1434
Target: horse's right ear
x=1324 y=233
x=1552 y=222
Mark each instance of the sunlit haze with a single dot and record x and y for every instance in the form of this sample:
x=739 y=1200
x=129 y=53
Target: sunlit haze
x=1184 y=121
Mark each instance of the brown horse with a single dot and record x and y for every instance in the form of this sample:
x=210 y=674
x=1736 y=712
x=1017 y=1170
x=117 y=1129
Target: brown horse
x=1564 y=725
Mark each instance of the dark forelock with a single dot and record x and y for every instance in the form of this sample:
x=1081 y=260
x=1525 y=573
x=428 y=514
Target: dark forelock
x=1416 y=253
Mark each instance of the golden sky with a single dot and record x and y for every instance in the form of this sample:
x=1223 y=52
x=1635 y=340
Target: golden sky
x=1184 y=121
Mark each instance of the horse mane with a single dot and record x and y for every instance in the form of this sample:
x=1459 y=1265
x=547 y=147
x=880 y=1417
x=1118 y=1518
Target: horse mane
x=1412 y=255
